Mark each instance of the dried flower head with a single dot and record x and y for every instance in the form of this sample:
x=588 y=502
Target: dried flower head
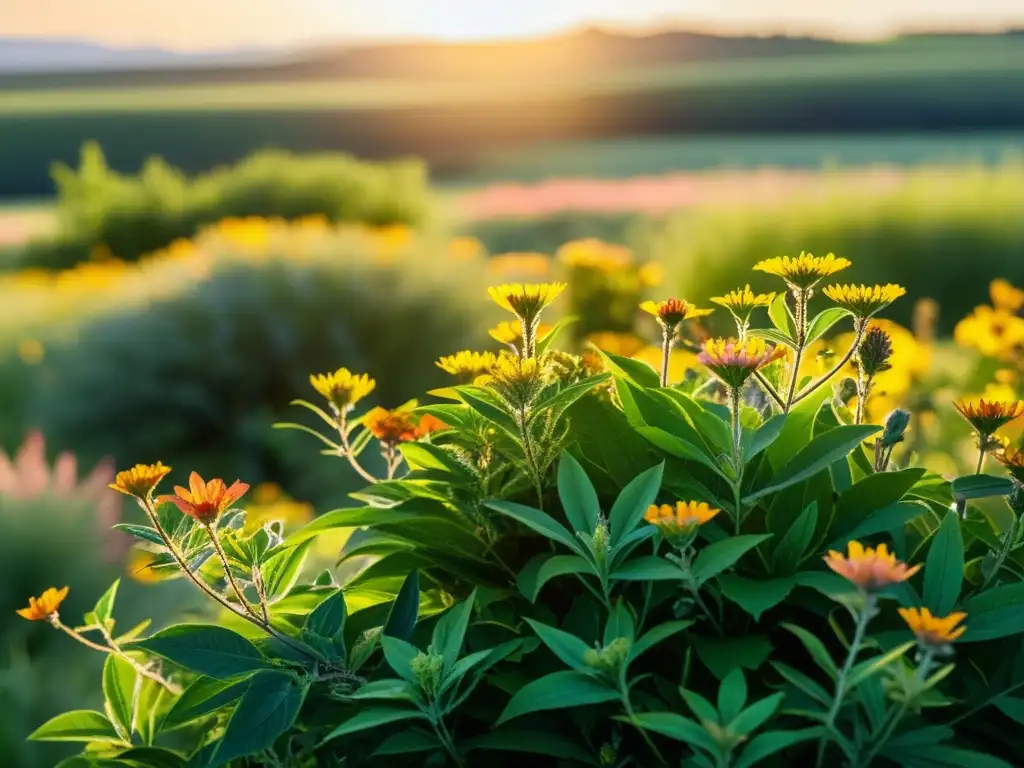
x=1013 y=460
x=986 y=417
x=140 y=480
x=468 y=365
x=671 y=312
x=517 y=381
x=734 y=361
x=875 y=352
x=870 y=569
x=804 y=271
x=342 y=389
x=743 y=301
x=863 y=301
x=43 y=607
x=391 y=427
x=206 y=501
x=931 y=630
x=526 y=301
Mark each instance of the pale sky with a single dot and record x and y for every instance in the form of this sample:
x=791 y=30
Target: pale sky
x=202 y=24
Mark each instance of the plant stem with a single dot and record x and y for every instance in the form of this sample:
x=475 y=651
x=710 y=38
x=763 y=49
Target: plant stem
x=446 y=739
x=919 y=676
x=863 y=388
x=801 y=298
x=113 y=648
x=531 y=459
x=767 y=387
x=851 y=657
x=666 y=352
x=981 y=454
x=347 y=448
x=858 y=337
x=628 y=706
x=222 y=556
x=704 y=607
x=1004 y=551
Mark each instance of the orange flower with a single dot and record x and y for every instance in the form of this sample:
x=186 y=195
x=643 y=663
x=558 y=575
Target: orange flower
x=206 y=501
x=45 y=605
x=140 y=480
x=870 y=569
x=987 y=417
x=931 y=630
x=671 y=312
x=684 y=515
x=390 y=427
x=1013 y=460
x=429 y=424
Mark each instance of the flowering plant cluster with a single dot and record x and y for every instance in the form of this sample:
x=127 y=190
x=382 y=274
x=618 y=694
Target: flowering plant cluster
x=574 y=559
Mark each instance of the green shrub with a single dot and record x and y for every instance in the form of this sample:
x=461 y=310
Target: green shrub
x=101 y=210
x=582 y=567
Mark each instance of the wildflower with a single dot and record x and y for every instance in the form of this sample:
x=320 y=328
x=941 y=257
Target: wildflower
x=1013 y=460
x=468 y=365
x=206 y=501
x=685 y=514
x=391 y=427
x=343 y=389
x=526 y=301
x=562 y=367
x=863 y=301
x=609 y=658
x=743 y=301
x=804 y=271
x=734 y=361
x=931 y=630
x=429 y=424
x=673 y=311
x=986 y=417
x=45 y=606
x=1006 y=296
x=594 y=254
x=995 y=332
x=517 y=381
x=140 y=480
x=870 y=569
x=875 y=352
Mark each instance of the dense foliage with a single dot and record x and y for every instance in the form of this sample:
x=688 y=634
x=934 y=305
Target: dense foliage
x=585 y=559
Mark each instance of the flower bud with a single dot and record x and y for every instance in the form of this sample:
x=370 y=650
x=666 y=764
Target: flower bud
x=875 y=352
x=609 y=658
x=428 y=669
x=896 y=424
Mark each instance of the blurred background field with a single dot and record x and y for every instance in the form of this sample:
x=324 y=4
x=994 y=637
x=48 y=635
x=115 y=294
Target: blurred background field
x=185 y=238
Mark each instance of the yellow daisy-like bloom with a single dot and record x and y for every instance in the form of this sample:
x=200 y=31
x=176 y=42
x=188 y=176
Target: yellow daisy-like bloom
x=803 y=271
x=684 y=514
x=995 y=332
x=527 y=300
x=734 y=361
x=671 y=312
x=1006 y=296
x=931 y=630
x=1013 y=460
x=594 y=254
x=517 y=381
x=342 y=389
x=43 y=607
x=467 y=364
x=864 y=300
x=742 y=301
x=140 y=480
x=870 y=569
x=986 y=417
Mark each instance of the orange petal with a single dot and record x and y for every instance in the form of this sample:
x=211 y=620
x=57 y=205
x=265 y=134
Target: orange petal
x=196 y=485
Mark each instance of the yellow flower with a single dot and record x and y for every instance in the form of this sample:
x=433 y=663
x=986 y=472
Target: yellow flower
x=516 y=380
x=1013 y=460
x=743 y=301
x=342 y=389
x=735 y=361
x=526 y=301
x=622 y=344
x=1006 y=296
x=870 y=569
x=45 y=606
x=391 y=427
x=987 y=417
x=467 y=364
x=520 y=264
x=864 y=300
x=465 y=249
x=31 y=351
x=140 y=480
x=996 y=333
x=511 y=332
x=931 y=630
x=683 y=515
x=651 y=274
x=594 y=254
x=671 y=312
x=803 y=271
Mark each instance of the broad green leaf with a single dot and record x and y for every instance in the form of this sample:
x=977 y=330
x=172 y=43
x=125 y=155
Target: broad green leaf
x=408 y=742
x=1012 y=707
x=537 y=521
x=267 y=709
x=105 y=605
x=661 y=632
x=942 y=756
x=635 y=370
x=794 y=543
x=559 y=690
x=995 y=613
x=577 y=494
x=478 y=663
x=755 y=596
x=816 y=456
x=544 y=343
x=402 y=616
x=569 y=648
x=722 y=555
x=887 y=519
x=531 y=582
x=732 y=695
x=701 y=707
x=531 y=741
x=399 y=655
x=425 y=456
x=204 y=696
x=633 y=501
x=980 y=487
x=450 y=631
x=119 y=692
x=865 y=669
x=822 y=323
x=774 y=336
x=565 y=397
x=778 y=313
x=281 y=570
x=681 y=449
x=799 y=427
x=142 y=532
x=648 y=568
x=79 y=725
x=765 y=435
x=802 y=682
x=723 y=654
x=480 y=401
x=676 y=727
x=328 y=618
x=151 y=757
x=874 y=492
x=713 y=428
x=373 y=718
x=207 y=649
x=390 y=689
x=767 y=744
x=944 y=568
x=620 y=623
x=757 y=714
x=816 y=648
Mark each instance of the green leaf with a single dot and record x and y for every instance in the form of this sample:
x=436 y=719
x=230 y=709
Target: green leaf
x=480 y=401
x=579 y=499
x=204 y=696
x=105 y=605
x=757 y=714
x=816 y=456
x=569 y=648
x=816 y=648
x=865 y=669
x=209 y=650
x=559 y=690
x=681 y=449
x=716 y=558
x=941 y=756
x=794 y=543
x=143 y=532
x=1012 y=707
x=372 y=718
x=631 y=504
x=676 y=727
x=620 y=623
x=871 y=493
x=799 y=427
x=732 y=695
x=151 y=757
x=566 y=396
x=531 y=582
x=765 y=435
x=408 y=742
x=755 y=596
x=281 y=570
x=723 y=654
x=393 y=690
x=778 y=313
x=701 y=707
x=79 y=725
x=774 y=336
x=636 y=371
x=802 y=682
x=328 y=618
x=425 y=456
x=267 y=709
x=402 y=616
x=888 y=519
x=532 y=741
x=995 y=613
x=822 y=323
x=980 y=487
x=944 y=568
x=119 y=692
x=656 y=635
x=767 y=744
x=537 y=521
x=450 y=631
x=399 y=655
x=648 y=568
